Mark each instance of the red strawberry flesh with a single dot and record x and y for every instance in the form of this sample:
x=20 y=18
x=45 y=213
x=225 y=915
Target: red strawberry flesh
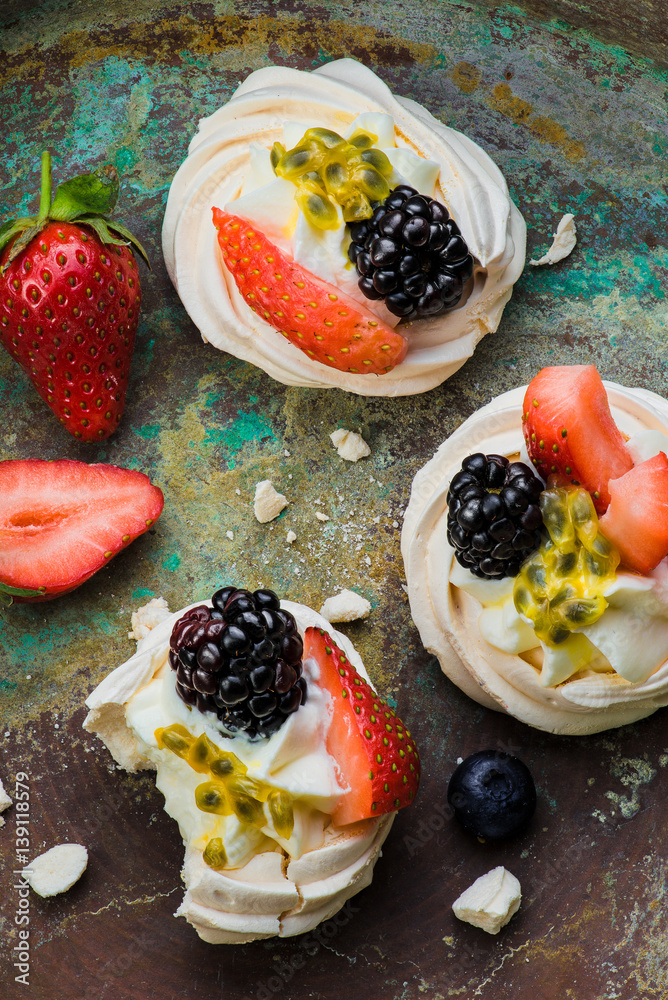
x=374 y=751
x=68 y=315
x=61 y=521
x=570 y=433
x=315 y=316
x=636 y=521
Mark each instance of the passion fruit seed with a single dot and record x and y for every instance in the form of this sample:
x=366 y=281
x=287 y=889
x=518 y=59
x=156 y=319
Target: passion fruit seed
x=231 y=790
x=227 y=765
x=214 y=854
x=330 y=170
x=560 y=588
x=248 y=811
x=210 y=797
x=175 y=738
x=202 y=753
x=281 y=812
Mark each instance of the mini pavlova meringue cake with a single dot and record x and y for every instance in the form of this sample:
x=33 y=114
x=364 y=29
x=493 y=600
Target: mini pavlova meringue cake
x=281 y=765
x=356 y=242
x=535 y=545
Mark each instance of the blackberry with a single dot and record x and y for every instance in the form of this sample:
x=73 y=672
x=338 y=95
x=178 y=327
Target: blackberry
x=411 y=254
x=494 y=517
x=493 y=794
x=240 y=659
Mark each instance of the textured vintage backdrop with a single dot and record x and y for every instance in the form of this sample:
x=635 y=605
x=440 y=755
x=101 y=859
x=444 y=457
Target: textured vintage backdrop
x=571 y=103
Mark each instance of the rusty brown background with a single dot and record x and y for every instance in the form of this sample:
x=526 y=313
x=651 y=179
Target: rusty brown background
x=570 y=100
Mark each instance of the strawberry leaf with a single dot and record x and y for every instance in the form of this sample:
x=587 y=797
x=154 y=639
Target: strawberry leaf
x=106 y=230
x=7 y=594
x=95 y=193
x=132 y=240
x=22 y=242
x=12 y=228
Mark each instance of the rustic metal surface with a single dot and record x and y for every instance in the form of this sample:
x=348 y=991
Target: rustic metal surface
x=563 y=99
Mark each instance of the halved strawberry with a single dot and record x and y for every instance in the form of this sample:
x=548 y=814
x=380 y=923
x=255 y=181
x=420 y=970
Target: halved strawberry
x=373 y=749
x=61 y=521
x=636 y=521
x=314 y=316
x=569 y=430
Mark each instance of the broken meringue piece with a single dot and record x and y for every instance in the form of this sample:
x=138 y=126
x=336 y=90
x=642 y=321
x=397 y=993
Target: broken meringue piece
x=345 y=607
x=491 y=901
x=56 y=870
x=350 y=446
x=5 y=802
x=563 y=243
x=268 y=503
x=145 y=619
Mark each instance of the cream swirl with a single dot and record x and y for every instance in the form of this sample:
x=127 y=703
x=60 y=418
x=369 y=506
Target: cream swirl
x=332 y=96
x=276 y=886
x=448 y=618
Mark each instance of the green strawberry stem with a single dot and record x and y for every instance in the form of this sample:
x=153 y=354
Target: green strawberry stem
x=88 y=199
x=45 y=193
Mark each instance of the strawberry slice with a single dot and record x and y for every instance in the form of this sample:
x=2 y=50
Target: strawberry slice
x=61 y=521
x=314 y=316
x=636 y=521
x=570 y=433
x=370 y=744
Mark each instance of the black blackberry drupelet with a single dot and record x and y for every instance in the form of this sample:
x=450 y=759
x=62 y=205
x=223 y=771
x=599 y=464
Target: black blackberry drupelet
x=411 y=254
x=494 y=519
x=240 y=659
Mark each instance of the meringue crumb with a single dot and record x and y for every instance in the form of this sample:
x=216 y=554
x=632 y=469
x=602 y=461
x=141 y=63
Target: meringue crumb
x=491 y=901
x=5 y=802
x=230 y=535
x=146 y=618
x=563 y=243
x=349 y=445
x=321 y=517
x=290 y=537
x=268 y=503
x=56 y=870
x=345 y=607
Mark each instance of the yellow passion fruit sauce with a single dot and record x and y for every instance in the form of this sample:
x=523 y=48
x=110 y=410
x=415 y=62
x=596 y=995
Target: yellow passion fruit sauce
x=329 y=170
x=230 y=790
x=560 y=588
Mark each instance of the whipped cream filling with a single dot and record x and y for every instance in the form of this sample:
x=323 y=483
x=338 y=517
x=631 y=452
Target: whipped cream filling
x=483 y=645
x=274 y=885
x=226 y=163
x=630 y=637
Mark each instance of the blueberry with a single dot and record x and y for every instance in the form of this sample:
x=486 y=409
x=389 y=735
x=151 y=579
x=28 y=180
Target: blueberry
x=493 y=795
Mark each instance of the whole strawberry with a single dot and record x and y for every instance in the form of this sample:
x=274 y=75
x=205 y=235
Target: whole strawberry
x=69 y=300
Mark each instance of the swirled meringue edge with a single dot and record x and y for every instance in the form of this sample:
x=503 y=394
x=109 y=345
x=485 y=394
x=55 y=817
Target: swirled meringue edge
x=447 y=618
x=332 y=96
x=271 y=894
